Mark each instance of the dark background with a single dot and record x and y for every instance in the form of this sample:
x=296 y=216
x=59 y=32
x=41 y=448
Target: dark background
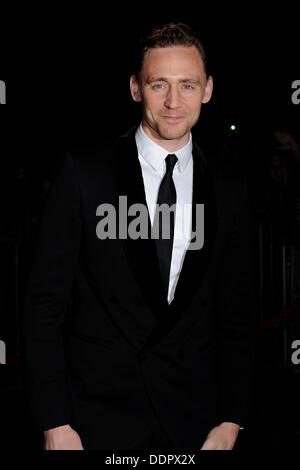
x=67 y=76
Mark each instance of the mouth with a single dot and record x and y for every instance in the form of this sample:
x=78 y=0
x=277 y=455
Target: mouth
x=173 y=119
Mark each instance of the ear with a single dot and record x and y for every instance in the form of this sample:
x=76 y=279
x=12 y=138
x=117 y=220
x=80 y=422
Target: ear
x=208 y=90
x=135 y=89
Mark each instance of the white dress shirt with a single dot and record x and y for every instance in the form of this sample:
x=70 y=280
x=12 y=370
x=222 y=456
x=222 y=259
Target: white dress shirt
x=152 y=161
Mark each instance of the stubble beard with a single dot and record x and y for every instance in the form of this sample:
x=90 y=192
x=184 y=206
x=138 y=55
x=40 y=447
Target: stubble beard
x=169 y=132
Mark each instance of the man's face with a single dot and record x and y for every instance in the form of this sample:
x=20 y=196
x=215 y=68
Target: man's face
x=172 y=86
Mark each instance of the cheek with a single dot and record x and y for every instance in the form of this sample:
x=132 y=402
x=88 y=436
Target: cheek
x=192 y=103
x=154 y=101
x=195 y=107
x=153 y=107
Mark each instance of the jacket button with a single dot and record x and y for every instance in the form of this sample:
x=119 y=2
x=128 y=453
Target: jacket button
x=180 y=353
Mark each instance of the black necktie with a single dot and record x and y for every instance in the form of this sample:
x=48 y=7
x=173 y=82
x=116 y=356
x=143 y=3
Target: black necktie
x=164 y=221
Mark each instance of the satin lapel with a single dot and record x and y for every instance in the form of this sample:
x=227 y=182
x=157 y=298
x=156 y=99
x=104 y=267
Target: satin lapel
x=141 y=252
x=196 y=262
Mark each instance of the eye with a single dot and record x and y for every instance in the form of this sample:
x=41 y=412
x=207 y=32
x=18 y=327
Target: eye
x=158 y=86
x=188 y=86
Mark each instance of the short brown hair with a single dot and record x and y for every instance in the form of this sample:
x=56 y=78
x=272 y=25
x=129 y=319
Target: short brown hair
x=170 y=34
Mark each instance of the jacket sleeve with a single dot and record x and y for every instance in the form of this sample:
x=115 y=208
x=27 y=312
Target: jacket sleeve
x=237 y=319
x=47 y=296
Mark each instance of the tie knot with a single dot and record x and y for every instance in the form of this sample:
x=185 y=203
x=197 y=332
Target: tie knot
x=171 y=161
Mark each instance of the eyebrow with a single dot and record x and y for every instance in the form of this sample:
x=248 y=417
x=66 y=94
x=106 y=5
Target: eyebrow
x=164 y=79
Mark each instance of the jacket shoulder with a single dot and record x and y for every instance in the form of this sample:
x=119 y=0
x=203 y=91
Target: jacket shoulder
x=93 y=157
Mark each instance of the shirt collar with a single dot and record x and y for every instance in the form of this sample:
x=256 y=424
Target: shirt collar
x=155 y=155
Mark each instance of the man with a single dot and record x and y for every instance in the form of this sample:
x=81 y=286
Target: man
x=156 y=349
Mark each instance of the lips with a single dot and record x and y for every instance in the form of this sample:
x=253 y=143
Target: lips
x=173 y=119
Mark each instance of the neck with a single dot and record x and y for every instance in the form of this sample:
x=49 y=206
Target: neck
x=171 y=145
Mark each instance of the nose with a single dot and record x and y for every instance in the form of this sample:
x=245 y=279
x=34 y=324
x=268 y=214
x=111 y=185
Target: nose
x=172 y=100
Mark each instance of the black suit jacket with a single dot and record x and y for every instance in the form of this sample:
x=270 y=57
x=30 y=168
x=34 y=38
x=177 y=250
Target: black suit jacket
x=119 y=358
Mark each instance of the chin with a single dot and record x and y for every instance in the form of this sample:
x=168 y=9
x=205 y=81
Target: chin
x=172 y=133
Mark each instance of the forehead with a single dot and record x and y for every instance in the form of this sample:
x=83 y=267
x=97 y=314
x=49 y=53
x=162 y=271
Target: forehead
x=173 y=60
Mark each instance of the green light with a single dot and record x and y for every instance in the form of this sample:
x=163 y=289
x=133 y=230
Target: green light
x=233 y=127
